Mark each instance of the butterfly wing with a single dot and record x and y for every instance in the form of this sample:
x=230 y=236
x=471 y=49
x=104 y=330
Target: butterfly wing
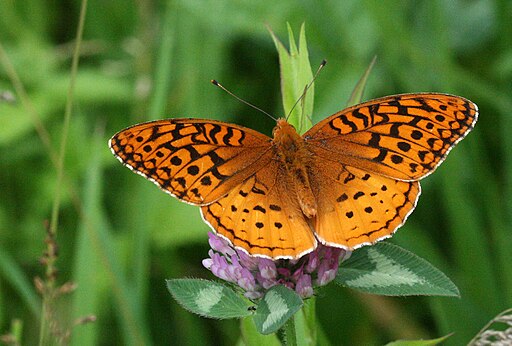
x=403 y=136
x=262 y=216
x=197 y=161
x=357 y=208
x=368 y=158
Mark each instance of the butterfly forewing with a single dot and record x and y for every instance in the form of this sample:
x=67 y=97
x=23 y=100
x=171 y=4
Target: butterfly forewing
x=197 y=161
x=403 y=136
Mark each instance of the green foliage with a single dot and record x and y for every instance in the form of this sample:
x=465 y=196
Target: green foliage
x=120 y=238
x=295 y=77
x=250 y=336
x=431 y=342
x=390 y=270
x=208 y=298
x=358 y=92
x=275 y=308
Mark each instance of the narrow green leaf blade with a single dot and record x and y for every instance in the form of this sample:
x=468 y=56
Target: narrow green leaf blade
x=276 y=307
x=390 y=270
x=88 y=261
x=305 y=76
x=208 y=298
x=430 y=342
x=11 y=272
x=357 y=93
x=296 y=73
x=294 y=51
x=286 y=72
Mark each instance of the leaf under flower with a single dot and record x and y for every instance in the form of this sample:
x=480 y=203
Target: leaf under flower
x=208 y=298
x=388 y=269
x=277 y=306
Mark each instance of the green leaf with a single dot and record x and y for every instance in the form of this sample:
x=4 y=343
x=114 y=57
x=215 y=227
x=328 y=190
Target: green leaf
x=306 y=323
x=12 y=273
x=430 y=342
x=276 y=307
x=357 y=93
x=390 y=270
x=251 y=337
x=208 y=298
x=88 y=257
x=295 y=75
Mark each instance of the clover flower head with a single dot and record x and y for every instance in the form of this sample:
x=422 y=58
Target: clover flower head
x=255 y=275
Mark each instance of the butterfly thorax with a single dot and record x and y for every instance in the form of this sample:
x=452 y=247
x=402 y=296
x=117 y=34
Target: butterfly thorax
x=290 y=149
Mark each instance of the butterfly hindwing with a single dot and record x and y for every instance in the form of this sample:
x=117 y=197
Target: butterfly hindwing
x=402 y=136
x=359 y=208
x=197 y=161
x=262 y=216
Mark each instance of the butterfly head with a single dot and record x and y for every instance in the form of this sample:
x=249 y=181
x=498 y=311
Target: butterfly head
x=283 y=130
x=286 y=140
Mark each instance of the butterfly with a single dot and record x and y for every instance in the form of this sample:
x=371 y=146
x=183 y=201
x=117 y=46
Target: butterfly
x=351 y=180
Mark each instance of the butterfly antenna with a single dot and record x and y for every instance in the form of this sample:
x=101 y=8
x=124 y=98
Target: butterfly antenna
x=303 y=95
x=214 y=82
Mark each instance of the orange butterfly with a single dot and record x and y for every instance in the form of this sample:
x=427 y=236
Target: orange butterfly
x=349 y=181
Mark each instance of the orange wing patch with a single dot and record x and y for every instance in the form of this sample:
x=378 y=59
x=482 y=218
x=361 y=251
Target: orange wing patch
x=403 y=136
x=196 y=161
x=261 y=217
x=359 y=208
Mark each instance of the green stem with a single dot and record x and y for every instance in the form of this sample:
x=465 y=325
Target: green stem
x=45 y=336
x=290 y=333
x=310 y=326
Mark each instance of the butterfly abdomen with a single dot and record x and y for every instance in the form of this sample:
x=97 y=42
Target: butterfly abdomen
x=294 y=157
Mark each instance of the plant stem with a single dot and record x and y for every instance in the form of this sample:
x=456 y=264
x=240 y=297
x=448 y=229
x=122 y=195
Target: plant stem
x=290 y=333
x=310 y=326
x=45 y=336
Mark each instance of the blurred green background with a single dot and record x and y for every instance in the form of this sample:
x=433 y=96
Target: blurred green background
x=120 y=237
